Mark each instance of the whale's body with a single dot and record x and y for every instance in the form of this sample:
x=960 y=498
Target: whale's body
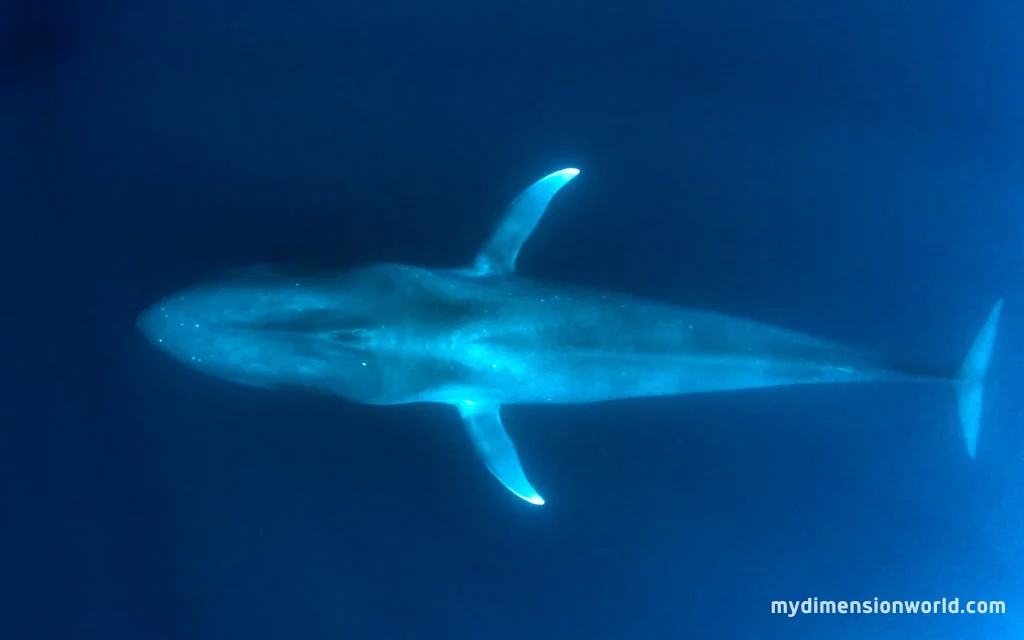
x=479 y=337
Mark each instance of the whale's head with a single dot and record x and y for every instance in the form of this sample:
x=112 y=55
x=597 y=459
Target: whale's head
x=275 y=331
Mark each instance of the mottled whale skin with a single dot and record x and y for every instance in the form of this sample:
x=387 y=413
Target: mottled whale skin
x=480 y=337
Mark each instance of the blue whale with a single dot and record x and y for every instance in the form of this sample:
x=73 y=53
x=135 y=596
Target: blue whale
x=480 y=336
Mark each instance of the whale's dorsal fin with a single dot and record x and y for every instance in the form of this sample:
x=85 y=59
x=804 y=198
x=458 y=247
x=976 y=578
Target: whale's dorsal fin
x=521 y=216
x=483 y=424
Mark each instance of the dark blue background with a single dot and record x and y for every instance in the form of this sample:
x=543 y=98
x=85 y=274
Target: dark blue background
x=851 y=169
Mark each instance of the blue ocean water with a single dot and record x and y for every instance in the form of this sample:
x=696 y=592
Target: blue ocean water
x=849 y=170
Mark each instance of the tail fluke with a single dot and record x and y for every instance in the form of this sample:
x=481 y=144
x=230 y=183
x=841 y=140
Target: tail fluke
x=970 y=385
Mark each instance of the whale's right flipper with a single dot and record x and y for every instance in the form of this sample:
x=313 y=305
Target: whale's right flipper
x=521 y=217
x=970 y=379
x=483 y=424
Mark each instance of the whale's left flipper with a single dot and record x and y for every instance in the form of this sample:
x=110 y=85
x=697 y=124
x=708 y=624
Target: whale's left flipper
x=970 y=379
x=483 y=424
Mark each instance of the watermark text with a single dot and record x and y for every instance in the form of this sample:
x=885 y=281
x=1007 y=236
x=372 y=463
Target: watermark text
x=812 y=606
